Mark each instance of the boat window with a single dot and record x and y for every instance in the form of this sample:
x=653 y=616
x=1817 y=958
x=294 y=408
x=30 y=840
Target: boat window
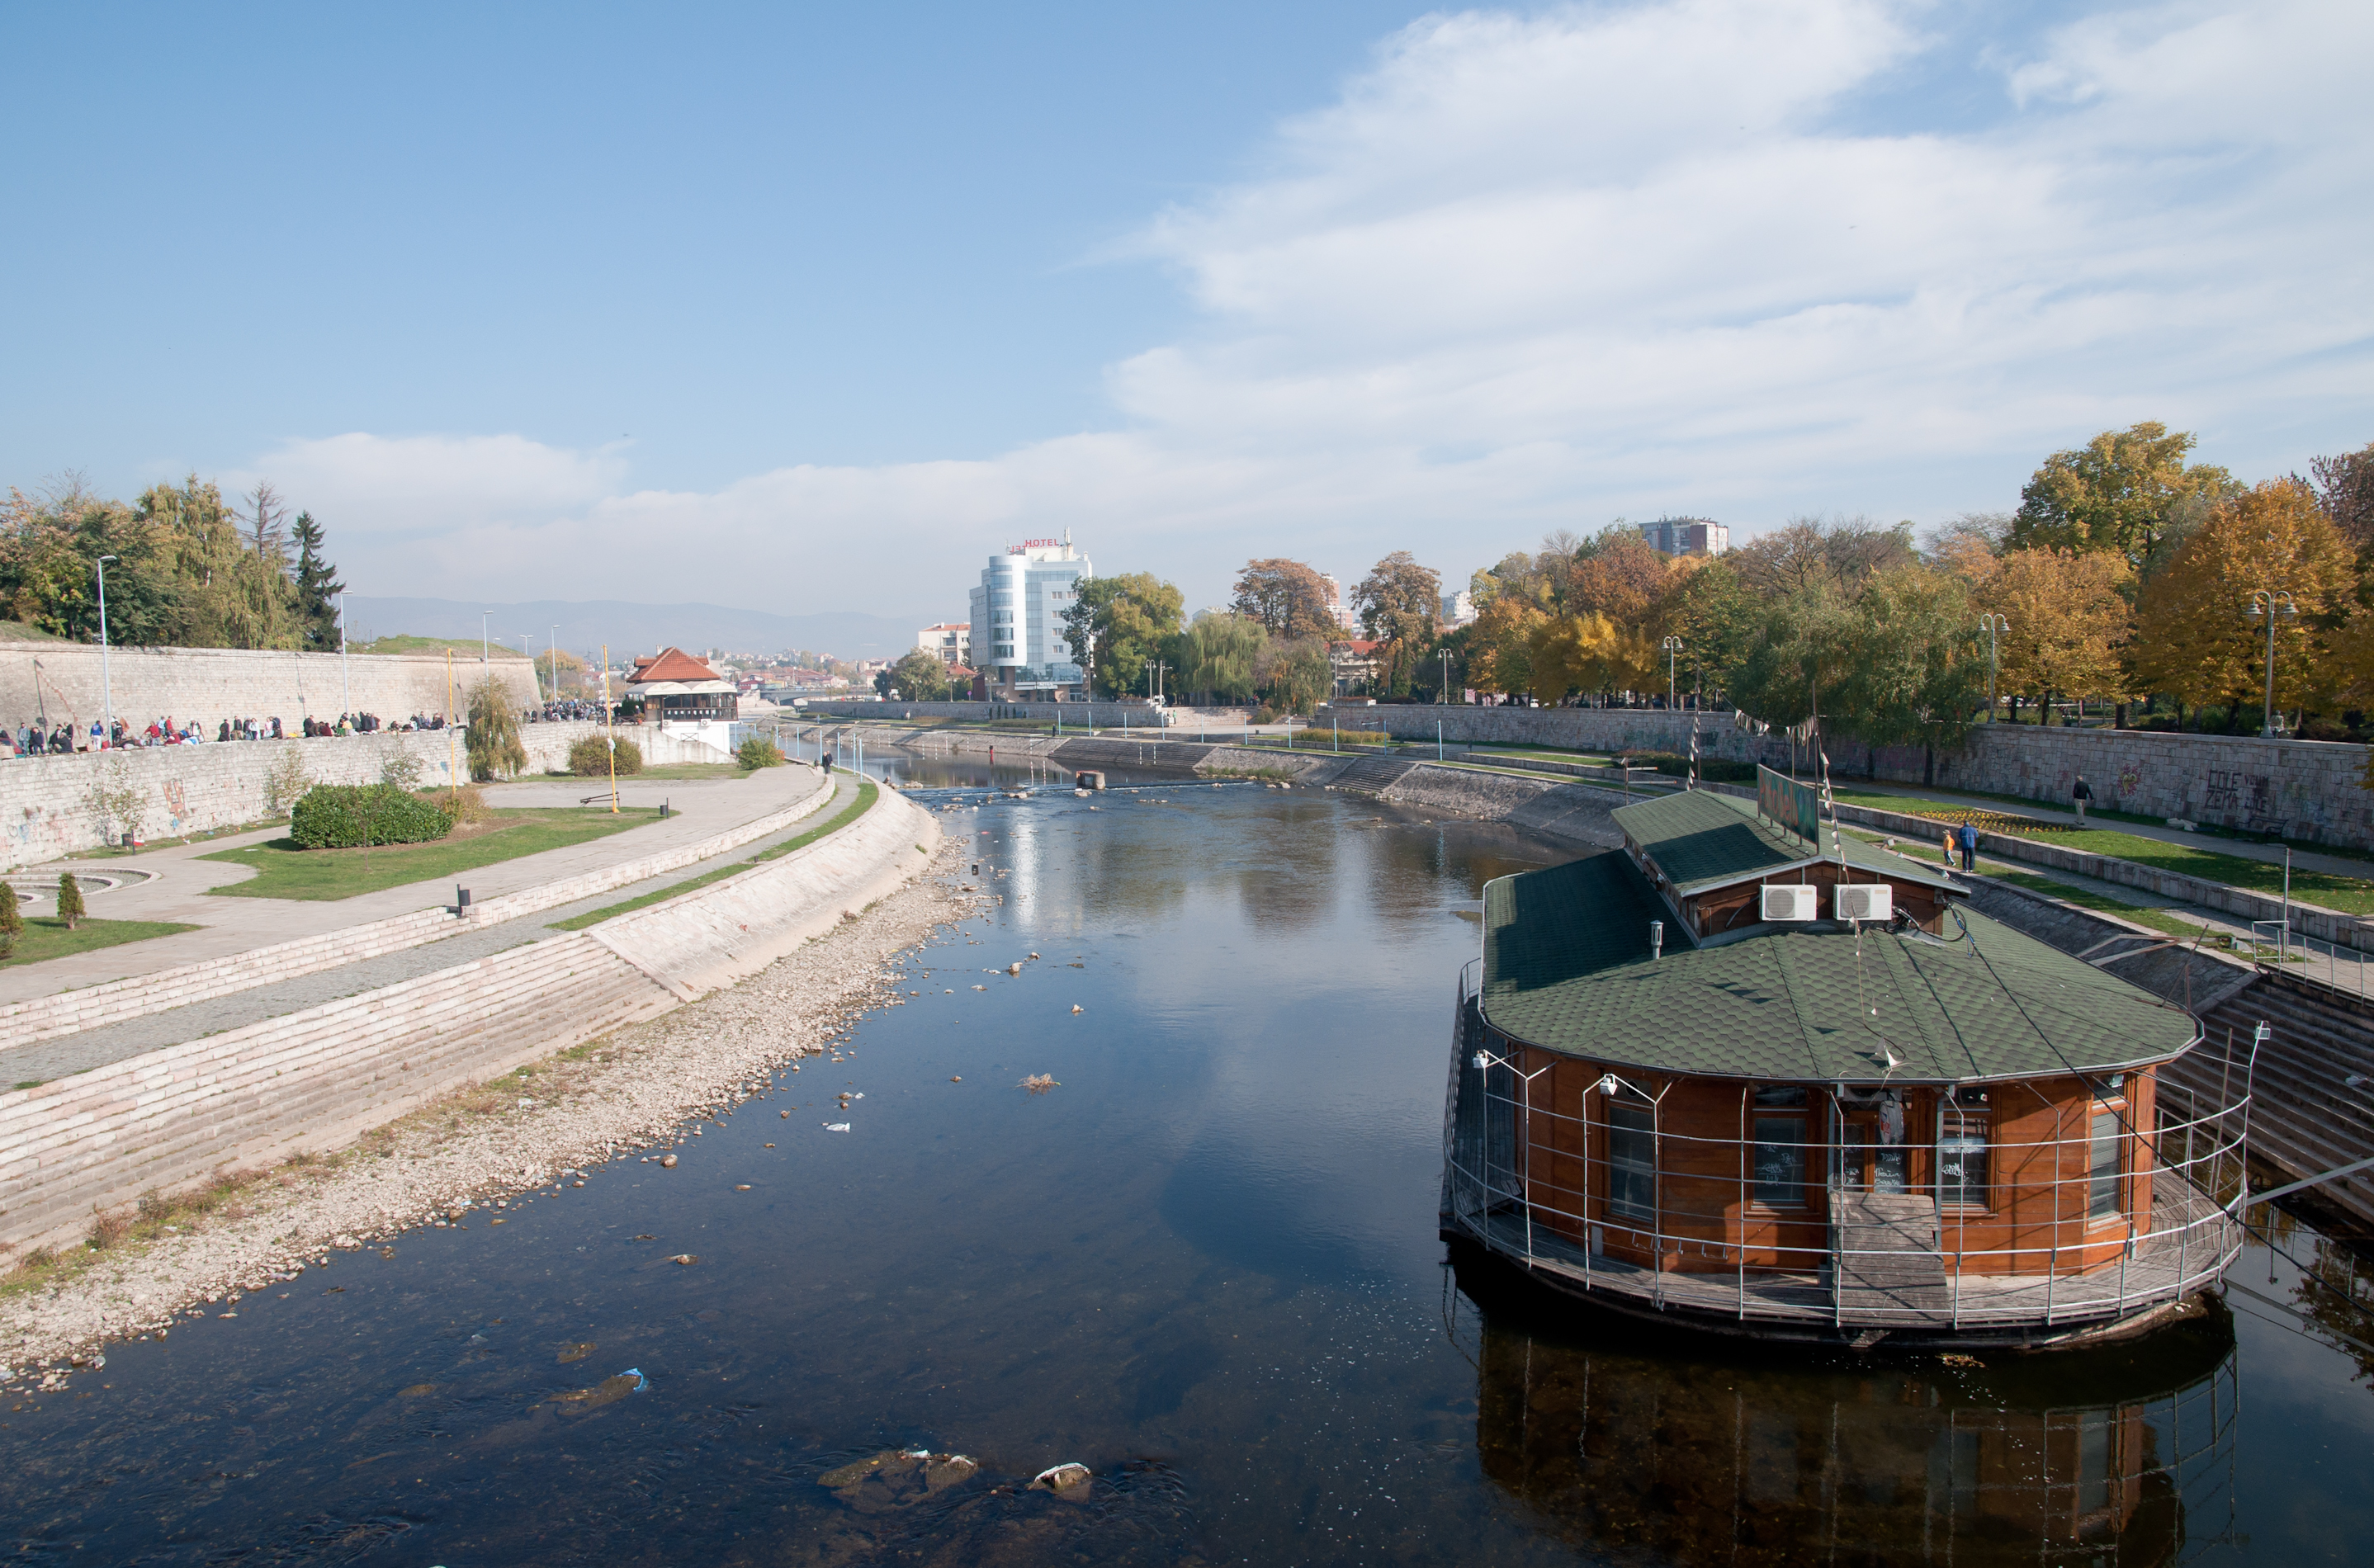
x=1962 y=1163
x=1780 y=1160
x=1631 y=1161
x=1783 y=1095
x=2102 y=1168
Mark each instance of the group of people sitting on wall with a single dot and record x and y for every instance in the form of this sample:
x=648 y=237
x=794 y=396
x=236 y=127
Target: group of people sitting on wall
x=67 y=737
x=573 y=710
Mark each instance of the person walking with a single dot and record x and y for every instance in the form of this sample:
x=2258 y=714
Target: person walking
x=1967 y=838
x=2079 y=795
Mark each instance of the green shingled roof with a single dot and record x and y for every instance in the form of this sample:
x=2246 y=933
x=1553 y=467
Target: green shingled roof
x=1700 y=839
x=1567 y=967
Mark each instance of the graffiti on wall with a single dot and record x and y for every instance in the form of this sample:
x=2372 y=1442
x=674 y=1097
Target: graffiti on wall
x=2244 y=799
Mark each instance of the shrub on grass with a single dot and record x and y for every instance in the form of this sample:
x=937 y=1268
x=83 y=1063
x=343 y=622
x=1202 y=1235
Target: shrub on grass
x=492 y=738
x=70 y=907
x=347 y=817
x=12 y=920
x=756 y=753
x=589 y=757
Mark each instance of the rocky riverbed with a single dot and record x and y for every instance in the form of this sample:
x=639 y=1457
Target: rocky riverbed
x=639 y=1094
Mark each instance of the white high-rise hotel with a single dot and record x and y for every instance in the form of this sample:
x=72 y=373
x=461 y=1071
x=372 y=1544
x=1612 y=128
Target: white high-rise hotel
x=1017 y=628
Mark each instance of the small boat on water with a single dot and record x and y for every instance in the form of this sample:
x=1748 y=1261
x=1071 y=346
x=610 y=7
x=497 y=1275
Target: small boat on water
x=1755 y=1075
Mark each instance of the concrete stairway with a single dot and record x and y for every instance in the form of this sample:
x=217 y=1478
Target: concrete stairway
x=308 y=1078
x=2306 y=1117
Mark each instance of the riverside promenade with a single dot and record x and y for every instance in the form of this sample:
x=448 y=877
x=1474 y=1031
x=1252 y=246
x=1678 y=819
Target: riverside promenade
x=177 y=882
x=155 y=1080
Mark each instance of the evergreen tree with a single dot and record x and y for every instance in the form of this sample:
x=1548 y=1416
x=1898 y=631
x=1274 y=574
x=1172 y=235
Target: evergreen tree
x=12 y=921
x=70 y=907
x=317 y=588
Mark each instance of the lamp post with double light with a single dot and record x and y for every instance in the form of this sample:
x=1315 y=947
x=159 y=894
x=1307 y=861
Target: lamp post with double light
x=1673 y=647
x=2264 y=605
x=106 y=691
x=1994 y=625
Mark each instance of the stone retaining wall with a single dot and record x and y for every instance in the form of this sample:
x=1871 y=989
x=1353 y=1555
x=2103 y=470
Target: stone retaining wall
x=62 y=681
x=315 y=1077
x=1134 y=715
x=48 y=807
x=2309 y=791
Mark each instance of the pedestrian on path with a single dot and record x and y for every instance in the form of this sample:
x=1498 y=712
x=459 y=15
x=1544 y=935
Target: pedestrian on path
x=2079 y=796
x=1945 y=842
x=1967 y=836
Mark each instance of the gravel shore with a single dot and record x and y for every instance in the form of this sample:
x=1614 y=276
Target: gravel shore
x=635 y=1092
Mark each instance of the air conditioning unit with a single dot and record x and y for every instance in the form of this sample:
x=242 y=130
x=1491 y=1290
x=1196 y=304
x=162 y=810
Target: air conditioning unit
x=1791 y=901
x=1863 y=901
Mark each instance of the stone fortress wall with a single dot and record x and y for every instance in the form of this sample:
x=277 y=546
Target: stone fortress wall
x=49 y=805
x=2310 y=790
x=50 y=682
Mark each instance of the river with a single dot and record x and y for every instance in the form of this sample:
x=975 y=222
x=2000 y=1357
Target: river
x=1204 y=1264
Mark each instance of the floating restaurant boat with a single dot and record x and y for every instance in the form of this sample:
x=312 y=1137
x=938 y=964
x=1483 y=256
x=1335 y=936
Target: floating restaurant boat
x=1753 y=1074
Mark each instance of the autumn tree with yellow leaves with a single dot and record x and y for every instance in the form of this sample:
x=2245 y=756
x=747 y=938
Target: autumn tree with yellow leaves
x=2069 y=623
x=2195 y=637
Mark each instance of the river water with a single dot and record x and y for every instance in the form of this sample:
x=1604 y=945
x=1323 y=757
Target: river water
x=1205 y=1265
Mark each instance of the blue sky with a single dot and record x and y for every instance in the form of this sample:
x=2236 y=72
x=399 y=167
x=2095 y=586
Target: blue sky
x=520 y=299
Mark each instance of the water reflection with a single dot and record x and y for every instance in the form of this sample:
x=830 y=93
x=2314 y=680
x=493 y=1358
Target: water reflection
x=2124 y=1454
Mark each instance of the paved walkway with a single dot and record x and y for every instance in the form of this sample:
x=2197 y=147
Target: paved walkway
x=45 y=1059
x=2241 y=849
x=177 y=890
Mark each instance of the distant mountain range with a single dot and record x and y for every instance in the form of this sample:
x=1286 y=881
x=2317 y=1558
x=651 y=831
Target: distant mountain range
x=635 y=628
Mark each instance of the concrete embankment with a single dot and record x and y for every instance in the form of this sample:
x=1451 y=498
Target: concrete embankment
x=1575 y=811
x=314 y=1079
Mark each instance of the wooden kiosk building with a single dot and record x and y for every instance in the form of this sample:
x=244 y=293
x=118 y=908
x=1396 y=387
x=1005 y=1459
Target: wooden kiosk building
x=1751 y=1073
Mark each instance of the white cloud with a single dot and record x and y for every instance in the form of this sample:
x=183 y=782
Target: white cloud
x=1532 y=271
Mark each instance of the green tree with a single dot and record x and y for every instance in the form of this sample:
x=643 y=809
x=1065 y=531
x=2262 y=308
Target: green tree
x=1126 y=623
x=1707 y=607
x=491 y=740
x=12 y=920
x=1400 y=604
x=917 y=678
x=1295 y=675
x=70 y=905
x=1915 y=676
x=1803 y=653
x=317 y=588
x=2119 y=492
x=1220 y=657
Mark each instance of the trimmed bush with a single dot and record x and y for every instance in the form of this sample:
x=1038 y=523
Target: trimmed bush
x=755 y=754
x=70 y=907
x=589 y=759
x=347 y=816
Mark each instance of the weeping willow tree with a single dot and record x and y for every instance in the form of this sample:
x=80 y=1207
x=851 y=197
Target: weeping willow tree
x=492 y=738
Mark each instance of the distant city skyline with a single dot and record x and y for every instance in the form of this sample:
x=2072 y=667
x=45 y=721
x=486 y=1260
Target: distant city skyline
x=807 y=310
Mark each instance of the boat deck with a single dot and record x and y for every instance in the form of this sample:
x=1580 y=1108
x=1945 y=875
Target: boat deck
x=1900 y=1286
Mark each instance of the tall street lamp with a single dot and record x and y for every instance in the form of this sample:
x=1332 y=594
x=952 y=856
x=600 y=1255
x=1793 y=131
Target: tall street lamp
x=1673 y=647
x=552 y=643
x=483 y=615
x=106 y=691
x=1993 y=625
x=346 y=677
x=1444 y=695
x=2263 y=607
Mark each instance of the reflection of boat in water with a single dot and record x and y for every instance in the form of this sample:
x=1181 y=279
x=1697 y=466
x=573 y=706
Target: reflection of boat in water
x=2125 y=1457
x=1787 y=1088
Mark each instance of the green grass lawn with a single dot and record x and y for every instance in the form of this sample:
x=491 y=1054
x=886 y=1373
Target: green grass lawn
x=284 y=870
x=2352 y=895
x=866 y=792
x=46 y=936
x=2173 y=922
